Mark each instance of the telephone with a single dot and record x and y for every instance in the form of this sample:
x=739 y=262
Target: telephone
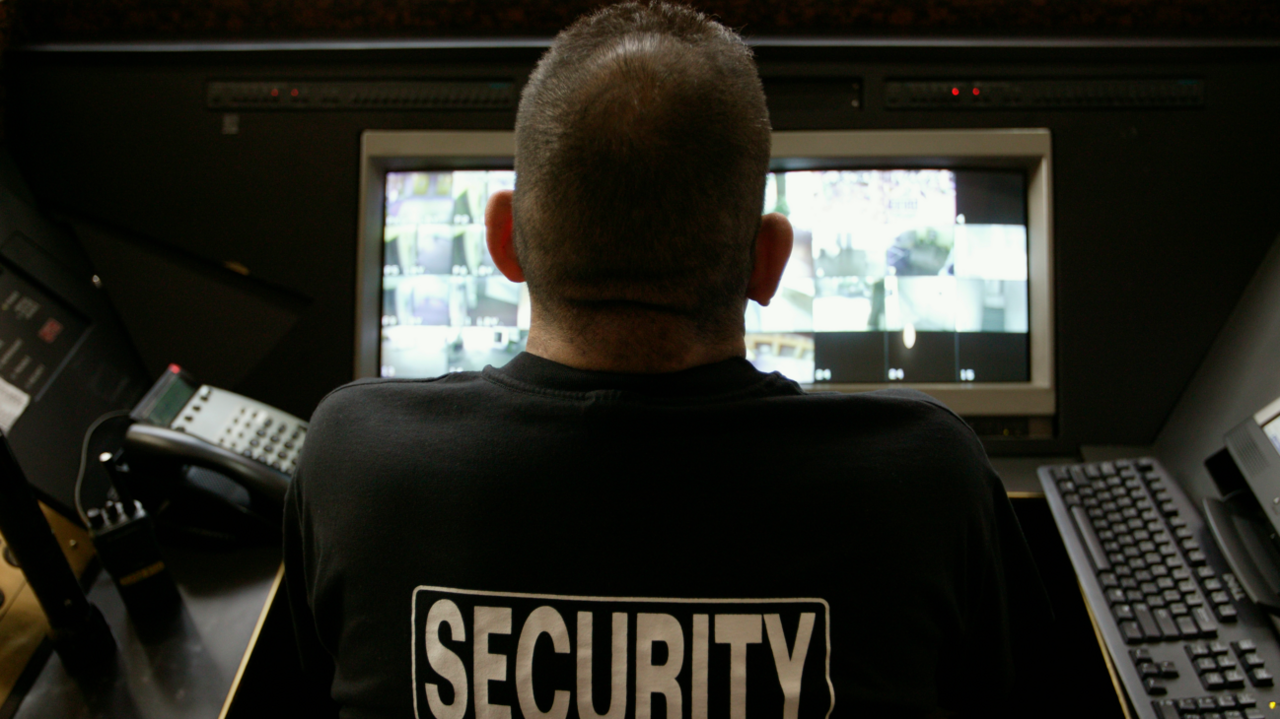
x=251 y=442
x=208 y=463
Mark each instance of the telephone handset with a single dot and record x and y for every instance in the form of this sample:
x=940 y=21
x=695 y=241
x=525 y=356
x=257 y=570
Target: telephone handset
x=250 y=442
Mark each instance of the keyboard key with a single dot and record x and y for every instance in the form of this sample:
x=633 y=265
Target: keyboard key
x=1150 y=670
x=1244 y=645
x=1186 y=626
x=1227 y=701
x=1245 y=699
x=1168 y=670
x=1165 y=709
x=1217 y=648
x=1254 y=714
x=1122 y=611
x=1234 y=678
x=1251 y=660
x=1187 y=705
x=1212 y=584
x=1206 y=664
x=1131 y=631
x=1261 y=677
x=1226 y=613
x=1218 y=597
x=1204 y=621
x=1206 y=704
x=1178 y=609
x=1094 y=548
x=1163 y=618
x=1141 y=655
x=1213 y=681
x=1196 y=558
x=1226 y=661
x=1148 y=622
x=1155 y=687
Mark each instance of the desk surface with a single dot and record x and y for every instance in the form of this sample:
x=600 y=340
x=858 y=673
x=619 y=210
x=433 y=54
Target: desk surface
x=187 y=668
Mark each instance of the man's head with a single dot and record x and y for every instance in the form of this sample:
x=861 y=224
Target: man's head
x=642 y=144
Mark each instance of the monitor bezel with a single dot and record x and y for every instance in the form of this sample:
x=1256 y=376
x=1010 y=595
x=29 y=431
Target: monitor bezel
x=1025 y=149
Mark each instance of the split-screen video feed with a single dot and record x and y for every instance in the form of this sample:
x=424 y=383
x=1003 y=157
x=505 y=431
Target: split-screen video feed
x=895 y=276
x=445 y=306
x=890 y=281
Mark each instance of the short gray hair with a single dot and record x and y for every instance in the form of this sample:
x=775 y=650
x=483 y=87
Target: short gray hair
x=642 y=146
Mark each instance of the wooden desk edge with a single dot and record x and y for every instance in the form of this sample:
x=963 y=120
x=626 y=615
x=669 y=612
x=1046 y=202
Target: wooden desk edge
x=253 y=642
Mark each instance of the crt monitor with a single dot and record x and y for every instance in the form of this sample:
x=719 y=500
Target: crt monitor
x=921 y=258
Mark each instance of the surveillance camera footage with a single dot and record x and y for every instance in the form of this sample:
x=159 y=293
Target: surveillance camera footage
x=898 y=275
x=445 y=306
x=895 y=276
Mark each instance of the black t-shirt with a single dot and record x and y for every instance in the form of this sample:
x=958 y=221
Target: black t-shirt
x=543 y=541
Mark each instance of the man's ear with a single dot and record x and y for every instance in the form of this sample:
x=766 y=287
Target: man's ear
x=773 y=249
x=498 y=223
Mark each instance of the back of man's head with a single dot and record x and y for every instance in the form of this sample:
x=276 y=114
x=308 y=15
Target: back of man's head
x=642 y=144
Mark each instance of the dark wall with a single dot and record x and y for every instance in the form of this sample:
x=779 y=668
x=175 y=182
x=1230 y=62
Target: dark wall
x=93 y=20
x=1161 y=215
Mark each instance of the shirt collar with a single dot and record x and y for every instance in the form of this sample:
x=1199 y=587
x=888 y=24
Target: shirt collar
x=721 y=377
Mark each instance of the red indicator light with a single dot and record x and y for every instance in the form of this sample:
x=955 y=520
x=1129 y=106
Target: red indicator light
x=275 y=92
x=975 y=91
x=174 y=369
x=294 y=92
x=955 y=91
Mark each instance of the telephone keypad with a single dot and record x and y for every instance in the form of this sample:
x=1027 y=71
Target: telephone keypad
x=244 y=426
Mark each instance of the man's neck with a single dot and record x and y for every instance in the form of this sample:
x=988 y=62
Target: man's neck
x=632 y=348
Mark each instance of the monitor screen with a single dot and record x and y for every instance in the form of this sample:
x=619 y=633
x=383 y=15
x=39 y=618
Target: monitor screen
x=898 y=275
x=890 y=279
x=445 y=306
x=912 y=266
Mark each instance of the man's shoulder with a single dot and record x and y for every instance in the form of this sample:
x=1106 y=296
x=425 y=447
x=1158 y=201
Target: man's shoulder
x=375 y=402
x=907 y=430
x=361 y=392
x=908 y=406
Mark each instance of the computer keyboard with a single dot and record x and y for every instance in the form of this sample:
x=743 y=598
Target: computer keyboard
x=1182 y=634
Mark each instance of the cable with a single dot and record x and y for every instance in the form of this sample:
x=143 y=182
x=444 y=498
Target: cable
x=84 y=457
